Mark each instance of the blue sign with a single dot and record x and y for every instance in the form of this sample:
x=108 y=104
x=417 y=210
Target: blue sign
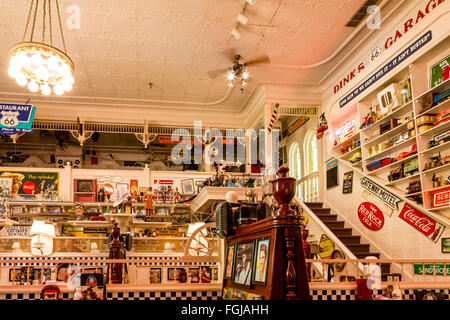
x=15 y=118
x=391 y=65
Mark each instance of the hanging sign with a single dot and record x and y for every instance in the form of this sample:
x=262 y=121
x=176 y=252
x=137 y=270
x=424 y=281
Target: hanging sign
x=391 y=65
x=347 y=184
x=326 y=247
x=370 y=216
x=370 y=197
x=388 y=197
x=430 y=268
x=15 y=118
x=426 y=225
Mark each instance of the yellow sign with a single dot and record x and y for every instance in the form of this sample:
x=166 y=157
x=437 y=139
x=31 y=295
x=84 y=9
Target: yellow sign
x=326 y=247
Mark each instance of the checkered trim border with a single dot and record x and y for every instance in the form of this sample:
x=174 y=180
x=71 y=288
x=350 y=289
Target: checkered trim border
x=322 y=295
x=170 y=295
x=30 y=296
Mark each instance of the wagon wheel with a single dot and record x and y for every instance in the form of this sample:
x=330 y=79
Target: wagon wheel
x=202 y=241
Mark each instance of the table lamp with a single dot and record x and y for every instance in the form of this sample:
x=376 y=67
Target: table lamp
x=42 y=241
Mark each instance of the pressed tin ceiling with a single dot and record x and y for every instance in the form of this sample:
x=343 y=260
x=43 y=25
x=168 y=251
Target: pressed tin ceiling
x=121 y=46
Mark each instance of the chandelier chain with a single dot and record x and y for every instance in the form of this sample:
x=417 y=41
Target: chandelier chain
x=34 y=20
x=60 y=27
x=50 y=21
x=28 y=21
x=43 y=20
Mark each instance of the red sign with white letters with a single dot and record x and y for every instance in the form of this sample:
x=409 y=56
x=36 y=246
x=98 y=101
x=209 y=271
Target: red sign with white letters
x=421 y=222
x=371 y=216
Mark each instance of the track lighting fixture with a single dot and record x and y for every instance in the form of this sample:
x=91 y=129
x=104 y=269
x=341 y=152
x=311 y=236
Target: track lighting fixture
x=242 y=18
x=235 y=33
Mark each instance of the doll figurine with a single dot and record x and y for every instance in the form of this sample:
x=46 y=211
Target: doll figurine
x=148 y=199
x=176 y=196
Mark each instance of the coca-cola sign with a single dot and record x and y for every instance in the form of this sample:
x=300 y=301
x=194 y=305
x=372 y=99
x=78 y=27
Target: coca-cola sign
x=371 y=216
x=429 y=227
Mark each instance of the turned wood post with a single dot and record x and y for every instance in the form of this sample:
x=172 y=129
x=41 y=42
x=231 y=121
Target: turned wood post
x=115 y=253
x=296 y=285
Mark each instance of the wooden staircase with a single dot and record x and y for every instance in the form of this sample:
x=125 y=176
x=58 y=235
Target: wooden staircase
x=352 y=242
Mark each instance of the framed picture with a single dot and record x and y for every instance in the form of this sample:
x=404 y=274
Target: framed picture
x=14 y=275
x=445 y=245
x=215 y=274
x=242 y=273
x=205 y=274
x=194 y=275
x=437 y=71
x=85 y=186
x=5 y=187
x=155 y=275
x=261 y=260
x=230 y=261
x=187 y=186
x=171 y=274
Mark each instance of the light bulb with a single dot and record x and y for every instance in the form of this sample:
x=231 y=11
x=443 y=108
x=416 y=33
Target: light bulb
x=12 y=72
x=67 y=86
x=15 y=62
x=33 y=86
x=245 y=75
x=230 y=76
x=58 y=89
x=52 y=63
x=45 y=89
x=36 y=59
x=21 y=80
x=230 y=84
x=243 y=83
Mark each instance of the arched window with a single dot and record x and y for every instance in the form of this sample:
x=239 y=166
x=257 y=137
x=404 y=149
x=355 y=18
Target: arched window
x=310 y=182
x=294 y=161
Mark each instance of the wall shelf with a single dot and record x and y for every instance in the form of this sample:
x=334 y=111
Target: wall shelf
x=402 y=180
x=437 y=169
x=438 y=148
x=385 y=136
x=388 y=150
x=389 y=116
x=391 y=165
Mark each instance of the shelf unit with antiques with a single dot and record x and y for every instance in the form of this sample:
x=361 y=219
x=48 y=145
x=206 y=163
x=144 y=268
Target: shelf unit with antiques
x=404 y=131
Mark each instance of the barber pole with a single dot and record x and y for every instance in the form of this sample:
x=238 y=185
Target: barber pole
x=274 y=117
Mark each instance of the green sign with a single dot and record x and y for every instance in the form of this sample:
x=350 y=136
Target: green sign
x=436 y=71
x=429 y=269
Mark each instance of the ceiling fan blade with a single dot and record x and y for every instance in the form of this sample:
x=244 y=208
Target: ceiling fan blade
x=214 y=73
x=262 y=59
x=229 y=53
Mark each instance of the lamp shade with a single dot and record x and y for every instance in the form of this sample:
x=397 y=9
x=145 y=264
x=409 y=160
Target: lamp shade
x=49 y=230
x=38 y=227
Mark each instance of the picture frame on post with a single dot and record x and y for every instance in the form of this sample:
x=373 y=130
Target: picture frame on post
x=260 y=264
x=242 y=271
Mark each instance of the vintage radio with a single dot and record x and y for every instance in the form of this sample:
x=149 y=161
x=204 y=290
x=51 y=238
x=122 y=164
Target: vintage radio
x=385 y=127
x=387 y=98
x=414 y=187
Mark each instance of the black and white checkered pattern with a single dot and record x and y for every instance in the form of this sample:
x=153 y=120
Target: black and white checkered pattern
x=30 y=296
x=407 y=294
x=169 y=295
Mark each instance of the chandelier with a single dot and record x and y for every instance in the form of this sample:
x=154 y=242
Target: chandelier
x=40 y=65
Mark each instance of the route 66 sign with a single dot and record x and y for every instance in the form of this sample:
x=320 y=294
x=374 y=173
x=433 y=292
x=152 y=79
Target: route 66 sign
x=375 y=53
x=9 y=119
x=16 y=118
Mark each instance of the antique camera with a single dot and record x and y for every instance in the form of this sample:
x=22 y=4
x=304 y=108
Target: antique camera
x=229 y=215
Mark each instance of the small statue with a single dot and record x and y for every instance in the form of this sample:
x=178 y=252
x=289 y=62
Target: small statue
x=148 y=199
x=176 y=196
x=369 y=119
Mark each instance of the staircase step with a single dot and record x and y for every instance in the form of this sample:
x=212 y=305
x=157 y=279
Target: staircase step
x=334 y=224
x=321 y=210
x=360 y=248
x=312 y=205
x=363 y=255
x=341 y=231
x=327 y=217
x=350 y=239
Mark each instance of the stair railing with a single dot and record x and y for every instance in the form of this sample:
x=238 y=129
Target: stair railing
x=308 y=187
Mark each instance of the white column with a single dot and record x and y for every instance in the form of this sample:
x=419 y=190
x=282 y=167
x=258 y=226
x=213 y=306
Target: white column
x=268 y=135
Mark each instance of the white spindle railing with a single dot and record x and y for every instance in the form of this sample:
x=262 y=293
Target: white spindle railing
x=308 y=187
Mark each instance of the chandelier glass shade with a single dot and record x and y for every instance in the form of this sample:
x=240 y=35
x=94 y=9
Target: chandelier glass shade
x=39 y=65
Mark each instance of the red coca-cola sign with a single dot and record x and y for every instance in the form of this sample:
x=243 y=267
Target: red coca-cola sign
x=371 y=216
x=421 y=222
x=28 y=187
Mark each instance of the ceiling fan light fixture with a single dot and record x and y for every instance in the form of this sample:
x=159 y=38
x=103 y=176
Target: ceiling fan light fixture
x=251 y=2
x=235 y=33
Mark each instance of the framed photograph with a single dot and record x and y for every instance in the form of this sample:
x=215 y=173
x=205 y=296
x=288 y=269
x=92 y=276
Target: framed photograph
x=242 y=273
x=229 y=261
x=260 y=264
x=6 y=187
x=155 y=275
x=171 y=274
x=445 y=245
x=187 y=186
x=194 y=275
x=205 y=274
x=85 y=186
x=14 y=275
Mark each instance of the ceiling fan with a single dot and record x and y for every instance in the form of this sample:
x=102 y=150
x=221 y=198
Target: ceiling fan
x=238 y=72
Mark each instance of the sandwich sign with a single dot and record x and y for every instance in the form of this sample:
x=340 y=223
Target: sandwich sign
x=16 y=118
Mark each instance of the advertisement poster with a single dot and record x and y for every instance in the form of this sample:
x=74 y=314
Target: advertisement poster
x=347 y=184
x=326 y=247
x=28 y=185
x=15 y=118
x=370 y=216
x=439 y=71
x=426 y=225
